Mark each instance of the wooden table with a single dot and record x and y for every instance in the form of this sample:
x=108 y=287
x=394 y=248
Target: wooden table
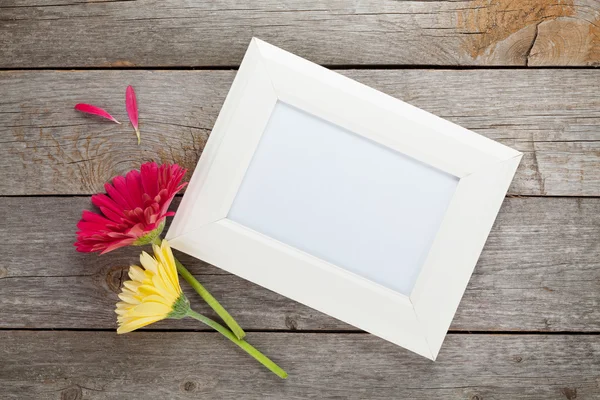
x=528 y=326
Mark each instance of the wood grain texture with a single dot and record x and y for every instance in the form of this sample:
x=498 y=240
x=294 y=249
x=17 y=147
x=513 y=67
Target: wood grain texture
x=567 y=41
x=46 y=147
x=538 y=276
x=103 y=366
x=539 y=271
x=67 y=33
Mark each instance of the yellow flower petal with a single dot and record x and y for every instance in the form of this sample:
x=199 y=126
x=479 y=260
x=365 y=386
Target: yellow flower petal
x=150 y=309
x=131 y=285
x=166 y=279
x=162 y=289
x=136 y=324
x=136 y=273
x=127 y=298
x=148 y=289
x=169 y=260
x=149 y=263
x=157 y=299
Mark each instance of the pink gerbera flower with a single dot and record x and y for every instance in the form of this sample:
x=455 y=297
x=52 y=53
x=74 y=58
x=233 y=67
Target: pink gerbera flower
x=133 y=211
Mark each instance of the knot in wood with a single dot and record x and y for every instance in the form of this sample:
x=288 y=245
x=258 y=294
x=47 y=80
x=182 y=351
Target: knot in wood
x=569 y=393
x=71 y=393
x=291 y=323
x=115 y=278
x=189 y=386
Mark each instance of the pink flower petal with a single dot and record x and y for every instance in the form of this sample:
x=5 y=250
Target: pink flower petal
x=101 y=200
x=132 y=109
x=116 y=196
x=149 y=172
x=120 y=184
x=118 y=244
x=134 y=186
x=90 y=109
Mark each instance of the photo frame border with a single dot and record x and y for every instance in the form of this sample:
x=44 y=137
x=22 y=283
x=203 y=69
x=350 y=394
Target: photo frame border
x=417 y=322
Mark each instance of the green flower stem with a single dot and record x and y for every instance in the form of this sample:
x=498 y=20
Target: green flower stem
x=247 y=347
x=211 y=301
x=208 y=298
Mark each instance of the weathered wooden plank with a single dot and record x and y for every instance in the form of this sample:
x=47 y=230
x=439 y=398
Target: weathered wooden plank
x=48 y=148
x=103 y=366
x=539 y=271
x=67 y=33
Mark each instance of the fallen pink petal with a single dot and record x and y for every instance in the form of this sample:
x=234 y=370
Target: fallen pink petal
x=90 y=109
x=132 y=110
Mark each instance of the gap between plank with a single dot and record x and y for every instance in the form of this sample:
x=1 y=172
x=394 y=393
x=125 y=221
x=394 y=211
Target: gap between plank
x=66 y=195
x=329 y=66
x=309 y=331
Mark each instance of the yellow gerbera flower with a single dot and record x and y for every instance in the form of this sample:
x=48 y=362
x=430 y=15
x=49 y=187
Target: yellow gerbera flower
x=153 y=293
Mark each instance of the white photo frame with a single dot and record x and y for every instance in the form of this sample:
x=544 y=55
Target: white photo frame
x=223 y=221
